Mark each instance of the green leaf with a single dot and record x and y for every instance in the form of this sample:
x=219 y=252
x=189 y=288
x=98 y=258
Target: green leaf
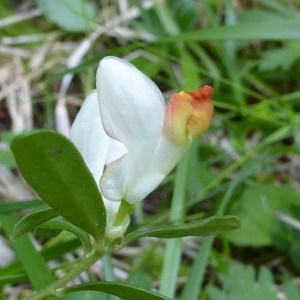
x=71 y=15
x=33 y=262
x=283 y=57
x=121 y=290
x=88 y=295
x=63 y=224
x=267 y=30
x=15 y=273
x=257 y=207
x=9 y=206
x=54 y=168
x=291 y=290
x=2 y=297
x=240 y=283
x=32 y=220
x=209 y=226
x=295 y=254
x=12 y=279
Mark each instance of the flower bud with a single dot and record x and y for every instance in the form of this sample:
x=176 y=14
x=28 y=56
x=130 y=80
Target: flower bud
x=188 y=114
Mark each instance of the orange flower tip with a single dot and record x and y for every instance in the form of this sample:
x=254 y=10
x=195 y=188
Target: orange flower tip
x=188 y=114
x=202 y=93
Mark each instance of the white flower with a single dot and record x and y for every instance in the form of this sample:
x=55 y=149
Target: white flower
x=129 y=139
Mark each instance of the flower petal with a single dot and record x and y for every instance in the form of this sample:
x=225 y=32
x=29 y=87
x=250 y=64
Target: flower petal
x=117 y=184
x=132 y=106
x=117 y=175
x=165 y=158
x=132 y=111
x=89 y=137
x=97 y=149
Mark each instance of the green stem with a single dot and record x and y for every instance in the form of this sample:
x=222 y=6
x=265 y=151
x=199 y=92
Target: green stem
x=192 y=288
x=108 y=269
x=56 y=288
x=174 y=246
x=124 y=210
x=166 y=19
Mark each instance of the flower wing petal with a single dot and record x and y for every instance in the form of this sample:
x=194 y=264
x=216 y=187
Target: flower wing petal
x=89 y=137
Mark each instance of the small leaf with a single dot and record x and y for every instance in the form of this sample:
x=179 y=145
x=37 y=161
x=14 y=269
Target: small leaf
x=71 y=15
x=11 y=206
x=239 y=282
x=121 y=290
x=32 y=220
x=257 y=207
x=32 y=261
x=54 y=168
x=291 y=290
x=63 y=224
x=209 y=226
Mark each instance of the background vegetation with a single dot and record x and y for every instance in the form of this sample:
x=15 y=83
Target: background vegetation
x=247 y=165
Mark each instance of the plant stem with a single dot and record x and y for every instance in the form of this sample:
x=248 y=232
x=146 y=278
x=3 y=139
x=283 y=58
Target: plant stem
x=56 y=288
x=124 y=210
x=174 y=246
x=108 y=273
x=193 y=285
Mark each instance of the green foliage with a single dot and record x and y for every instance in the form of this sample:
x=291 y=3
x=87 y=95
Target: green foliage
x=70 y=15
x=210 y=226
x=257 y=207
x=62 y=224
x=117 y=289
x=141 y=280
x=241 y=283
x=54 y=168
x=184 y=13
x=284 y=30
x=283 y=58
x=32 y=220
x=247 y=165
x=295 y=253
x=291 y=290
x=17 y=273
x=32 y=261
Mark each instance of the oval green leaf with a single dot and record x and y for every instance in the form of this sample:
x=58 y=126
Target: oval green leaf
x=54 y=168
x=117 y=289
x=32 y=220
x=204 y=227
x=70 y=15
x=63 y=224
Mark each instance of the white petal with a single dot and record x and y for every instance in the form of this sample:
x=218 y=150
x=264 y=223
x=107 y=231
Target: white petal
x=132 y=111
x=117 y=177
x=97 y=149
x=165 y=158
x=132 y=106
x=116 y=184
x=89 y=137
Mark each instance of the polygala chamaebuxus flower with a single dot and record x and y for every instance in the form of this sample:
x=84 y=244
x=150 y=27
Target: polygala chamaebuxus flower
x=130 y=140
